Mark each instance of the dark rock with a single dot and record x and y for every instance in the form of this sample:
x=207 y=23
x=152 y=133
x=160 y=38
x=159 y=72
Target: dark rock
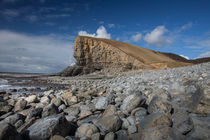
x=182 y=122
x=57 y=137
x=47 y=127
x=8 y=132
x=122 y=135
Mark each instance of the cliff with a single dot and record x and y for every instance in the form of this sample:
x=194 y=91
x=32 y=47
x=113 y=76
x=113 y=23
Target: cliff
x=96 y=53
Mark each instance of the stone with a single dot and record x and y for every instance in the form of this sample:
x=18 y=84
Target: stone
x=57 y=137
x=110 y=110
x=125 y=123
x=71 y=118
x=140 y=114
x=159 y=104
x=109 y=136
x=182 y=122
x=84 y=113
x=61 y=108
x=153 y=120
x=122 y=135
x=161 y=133
x=8 y=132
x=68 y=98
x=47 y=93
x=31 y=99
x=201 y=128
x=47 y=127
x=18 y=123
x=131 y=102
x=86 y=129
x=5 y=109
x=102 y=103
x=20 y=105
x=14 y=118
x=109 y=123
x=45 y=100
x=74 y=111
x=132 y=129
x=96 y=136
x=56 y=101
x=51 y=109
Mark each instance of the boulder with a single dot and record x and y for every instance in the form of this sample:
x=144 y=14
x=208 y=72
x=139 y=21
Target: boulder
x=110 y=110
x=86 y=129
x=182 y=122
x=45 y=100
x=109 y=123
x=57 y=137
x=31 y=99
x=51 y=109
x=102 y=103
x=109 y=136
x=159 y=104
x=153 y=120
x=8 y=132
x=131 y=102
x=47 y=127
x=14 y=118
x=74 y=111
x=20 y=105
x=56 y=101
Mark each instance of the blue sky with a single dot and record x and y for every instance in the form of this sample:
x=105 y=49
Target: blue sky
x=38 y=35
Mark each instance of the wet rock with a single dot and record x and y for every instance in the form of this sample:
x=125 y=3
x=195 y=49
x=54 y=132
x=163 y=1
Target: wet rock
x=109 y=123
x=20 y=105
x=131 y=102
x=47 y=127
x=8 y=132
x=51 y=109
x=86 y=129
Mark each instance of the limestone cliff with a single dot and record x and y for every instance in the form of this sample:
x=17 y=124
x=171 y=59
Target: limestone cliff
x=97 y=53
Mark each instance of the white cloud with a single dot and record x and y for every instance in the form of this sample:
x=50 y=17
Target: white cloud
x=8 y=13
x=84 y=33
x=137 y=37
x=111 y=25
x=156 y=37
x=28 y=53
x=100 y=33
x=185 y=57
x=185 y=27
x=206 y=54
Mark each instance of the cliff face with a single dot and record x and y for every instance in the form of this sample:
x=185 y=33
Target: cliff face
x=99 y=53
x=96 y=53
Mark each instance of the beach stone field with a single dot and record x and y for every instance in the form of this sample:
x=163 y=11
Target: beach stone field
x=171 y=104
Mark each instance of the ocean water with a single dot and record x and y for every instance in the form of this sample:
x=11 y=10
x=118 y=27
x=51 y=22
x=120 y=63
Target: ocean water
x=4 y=86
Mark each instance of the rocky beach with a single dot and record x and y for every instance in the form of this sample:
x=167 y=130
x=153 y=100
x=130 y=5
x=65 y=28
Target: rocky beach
x=134 y=105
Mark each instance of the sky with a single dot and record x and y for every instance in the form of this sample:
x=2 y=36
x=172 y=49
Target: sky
x=37 y=36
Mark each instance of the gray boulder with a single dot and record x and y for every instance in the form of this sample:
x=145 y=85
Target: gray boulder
x=51 y=109
x=109 y=123
x=47 y=127
x=86 y=129
x=131 y=102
